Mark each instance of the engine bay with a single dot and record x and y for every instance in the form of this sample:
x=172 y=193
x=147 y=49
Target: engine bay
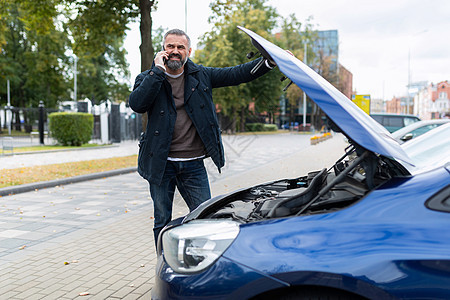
x=347 y=181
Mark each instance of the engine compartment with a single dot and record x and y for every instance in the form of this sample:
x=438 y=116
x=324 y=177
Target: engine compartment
x=347 y=181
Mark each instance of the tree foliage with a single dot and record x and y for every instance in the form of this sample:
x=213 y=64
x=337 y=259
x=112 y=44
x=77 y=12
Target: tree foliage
x=31 y=57
x=227 y=46
x=298 y=38
x=38 y=42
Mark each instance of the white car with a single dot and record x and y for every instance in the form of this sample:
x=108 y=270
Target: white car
x=415 y=129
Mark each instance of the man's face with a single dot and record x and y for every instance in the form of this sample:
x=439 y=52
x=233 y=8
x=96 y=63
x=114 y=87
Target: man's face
x=178 y=49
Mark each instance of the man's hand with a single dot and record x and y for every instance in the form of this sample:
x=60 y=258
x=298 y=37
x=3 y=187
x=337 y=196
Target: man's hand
x=161 y=57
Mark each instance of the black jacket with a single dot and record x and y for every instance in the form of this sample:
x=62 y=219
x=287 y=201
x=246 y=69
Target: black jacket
x=152 y=94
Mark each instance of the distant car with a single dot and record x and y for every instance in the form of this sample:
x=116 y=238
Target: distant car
x=372 y=226
x=293 y=125
x=393 y=122
x=417 y=128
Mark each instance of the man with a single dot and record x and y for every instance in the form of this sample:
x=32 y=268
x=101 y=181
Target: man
x=182 y=126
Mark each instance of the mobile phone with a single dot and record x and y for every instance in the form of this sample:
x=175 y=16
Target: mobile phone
x=164 y=59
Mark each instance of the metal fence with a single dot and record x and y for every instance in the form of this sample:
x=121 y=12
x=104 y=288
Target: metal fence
x=113 y=123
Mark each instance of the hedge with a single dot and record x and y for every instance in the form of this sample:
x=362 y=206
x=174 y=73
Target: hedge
x=260 y=127
x=270 y=127
x=71 y=129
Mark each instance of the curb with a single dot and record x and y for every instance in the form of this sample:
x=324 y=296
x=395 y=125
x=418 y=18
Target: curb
x=58 y=150
x=52 y=183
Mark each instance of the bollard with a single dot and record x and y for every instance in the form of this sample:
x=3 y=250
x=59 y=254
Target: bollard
x=41 y=122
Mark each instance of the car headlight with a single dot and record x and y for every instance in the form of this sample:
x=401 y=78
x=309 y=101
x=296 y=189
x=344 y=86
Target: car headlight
x=194 y=246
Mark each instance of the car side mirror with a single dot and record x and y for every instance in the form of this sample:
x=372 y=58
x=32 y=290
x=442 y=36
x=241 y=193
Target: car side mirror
x=407 y=137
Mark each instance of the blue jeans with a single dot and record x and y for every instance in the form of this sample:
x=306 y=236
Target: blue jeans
x=190 y=178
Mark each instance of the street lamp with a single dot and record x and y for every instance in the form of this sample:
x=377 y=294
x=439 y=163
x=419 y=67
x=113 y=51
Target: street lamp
x=409 y=69
x=75 y=79
x=8 y=108
x=305 y=59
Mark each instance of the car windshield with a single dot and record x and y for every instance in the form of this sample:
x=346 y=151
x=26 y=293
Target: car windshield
x=429 y=150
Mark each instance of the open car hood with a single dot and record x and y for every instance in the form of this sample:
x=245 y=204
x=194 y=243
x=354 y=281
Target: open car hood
x=354 y=123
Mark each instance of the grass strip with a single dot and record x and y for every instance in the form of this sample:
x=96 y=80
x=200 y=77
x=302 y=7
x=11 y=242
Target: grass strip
x=53 y=148
x=12 y=177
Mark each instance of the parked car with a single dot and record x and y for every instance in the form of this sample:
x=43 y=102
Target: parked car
x=293 y=125
x=430 y=150
x=417 y=128
x=370 y=226
x=393 y=122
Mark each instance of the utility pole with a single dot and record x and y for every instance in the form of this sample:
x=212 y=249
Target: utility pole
x=409 y=81
x=75 y=79
x=8 y=108
x=305 y=60
x=185 y=16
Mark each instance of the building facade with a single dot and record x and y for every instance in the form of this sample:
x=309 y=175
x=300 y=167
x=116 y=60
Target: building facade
x=433 y=101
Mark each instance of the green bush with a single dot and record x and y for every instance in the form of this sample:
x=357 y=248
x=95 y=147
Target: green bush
x=254 y=127
x=71 y=129
x=270 y=127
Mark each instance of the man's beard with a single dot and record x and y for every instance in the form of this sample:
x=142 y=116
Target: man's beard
x=175 y=64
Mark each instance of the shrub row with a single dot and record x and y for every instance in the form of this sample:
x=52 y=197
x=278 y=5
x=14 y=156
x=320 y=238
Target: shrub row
x=71 y=129
x=252 y=127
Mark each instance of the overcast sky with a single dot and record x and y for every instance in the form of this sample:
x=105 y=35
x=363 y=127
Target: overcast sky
x=381 y=42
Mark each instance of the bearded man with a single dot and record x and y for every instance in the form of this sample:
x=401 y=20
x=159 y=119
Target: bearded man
x=182 y=126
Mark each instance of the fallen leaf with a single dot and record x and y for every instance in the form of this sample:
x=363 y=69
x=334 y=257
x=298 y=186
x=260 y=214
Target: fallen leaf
x=23 y=247
x=66 y=263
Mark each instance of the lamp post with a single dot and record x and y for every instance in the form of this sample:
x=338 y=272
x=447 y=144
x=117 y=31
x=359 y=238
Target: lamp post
x=409 y=69
x=304 y=94
x=409 y=82
x=41 y=122
x=185 y=16
x=75 y=79
x=8 y=108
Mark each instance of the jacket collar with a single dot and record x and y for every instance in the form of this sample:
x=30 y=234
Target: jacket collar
x=190 y=67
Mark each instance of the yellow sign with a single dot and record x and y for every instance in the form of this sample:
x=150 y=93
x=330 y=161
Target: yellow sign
x=363 y=102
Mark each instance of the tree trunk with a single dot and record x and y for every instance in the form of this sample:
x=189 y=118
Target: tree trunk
x=146 y=46
x=242 y=119
x=233 y=120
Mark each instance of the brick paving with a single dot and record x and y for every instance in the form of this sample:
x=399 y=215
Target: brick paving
x=94 y=238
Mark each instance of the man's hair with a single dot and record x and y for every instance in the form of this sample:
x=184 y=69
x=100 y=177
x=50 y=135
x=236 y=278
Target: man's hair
x=177 y=32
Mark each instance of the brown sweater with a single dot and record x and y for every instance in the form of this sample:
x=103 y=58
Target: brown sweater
x=186 y=142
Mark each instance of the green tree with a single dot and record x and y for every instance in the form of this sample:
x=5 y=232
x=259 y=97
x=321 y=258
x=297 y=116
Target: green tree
x=96 y=30
x=227 y=46
x=297 y=37
x=98 y=24
x=32 y=57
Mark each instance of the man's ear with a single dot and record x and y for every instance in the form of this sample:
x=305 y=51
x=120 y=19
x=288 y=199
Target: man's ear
x=189 y=53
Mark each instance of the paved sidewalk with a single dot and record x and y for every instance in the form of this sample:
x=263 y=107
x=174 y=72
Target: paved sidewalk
x=95 y=237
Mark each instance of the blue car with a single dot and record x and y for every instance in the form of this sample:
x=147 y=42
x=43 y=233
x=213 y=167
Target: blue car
x=375 y=225
x=293 y=125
